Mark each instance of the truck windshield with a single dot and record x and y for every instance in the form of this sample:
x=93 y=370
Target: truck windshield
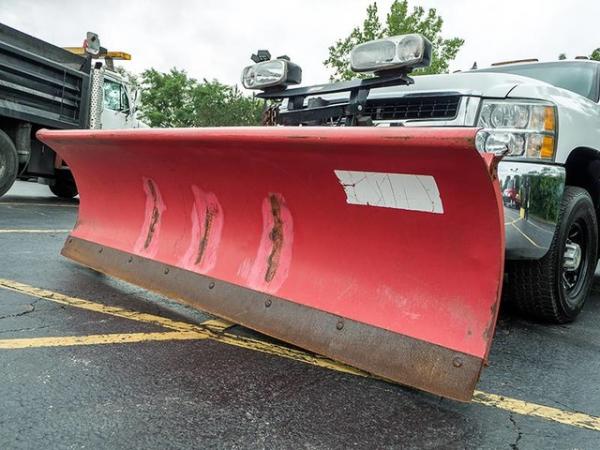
x=578 y=77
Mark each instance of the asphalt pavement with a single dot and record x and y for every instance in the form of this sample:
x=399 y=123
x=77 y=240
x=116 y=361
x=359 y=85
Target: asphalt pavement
x=90 y=362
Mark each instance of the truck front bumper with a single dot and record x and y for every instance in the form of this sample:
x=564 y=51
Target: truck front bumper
x=531 y=194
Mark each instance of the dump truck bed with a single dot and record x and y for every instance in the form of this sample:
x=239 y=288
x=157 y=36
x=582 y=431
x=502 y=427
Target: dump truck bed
x=40 y=83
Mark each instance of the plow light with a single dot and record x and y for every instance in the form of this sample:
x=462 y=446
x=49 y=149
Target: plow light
x=277 y=73
x=396 y=53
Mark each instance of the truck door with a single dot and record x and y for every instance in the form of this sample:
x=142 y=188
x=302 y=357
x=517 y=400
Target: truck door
x=116 y=112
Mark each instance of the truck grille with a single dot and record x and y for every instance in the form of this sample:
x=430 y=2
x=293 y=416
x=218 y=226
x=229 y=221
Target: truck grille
x=430 y=107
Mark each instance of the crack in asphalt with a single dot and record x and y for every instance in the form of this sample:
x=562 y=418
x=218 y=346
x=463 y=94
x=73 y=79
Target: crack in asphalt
x=29 y=311
x=18 y=330
x=515 y=445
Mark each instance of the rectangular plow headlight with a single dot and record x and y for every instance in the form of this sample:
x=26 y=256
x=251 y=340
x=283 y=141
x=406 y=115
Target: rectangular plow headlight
x=271 y=74
x=519 y=128
x=393 y=53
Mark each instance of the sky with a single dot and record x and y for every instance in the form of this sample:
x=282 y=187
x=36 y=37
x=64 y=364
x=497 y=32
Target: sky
x=214 y=39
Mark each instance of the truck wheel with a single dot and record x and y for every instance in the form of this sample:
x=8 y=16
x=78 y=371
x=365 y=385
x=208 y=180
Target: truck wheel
x=64 y=185
x=9 y=163
x=554 y=288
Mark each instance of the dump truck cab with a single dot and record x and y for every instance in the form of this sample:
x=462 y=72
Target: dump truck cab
x=45 y=86
x=543 y=118
x=118 y=103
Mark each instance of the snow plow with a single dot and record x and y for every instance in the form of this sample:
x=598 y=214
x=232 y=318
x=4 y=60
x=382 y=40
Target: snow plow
x=375 y=244
x=362 y=244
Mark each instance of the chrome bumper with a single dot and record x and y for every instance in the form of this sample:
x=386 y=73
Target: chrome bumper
x=531 y=194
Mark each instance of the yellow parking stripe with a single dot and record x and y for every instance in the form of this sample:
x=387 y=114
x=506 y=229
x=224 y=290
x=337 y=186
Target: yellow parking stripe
x=218 y=325
x=512 y=222
x=286 y=352
x=17 y=230
x=98 y=339
x=215 y=325
x=525 y=236
x=575 y=419
x=215 y=330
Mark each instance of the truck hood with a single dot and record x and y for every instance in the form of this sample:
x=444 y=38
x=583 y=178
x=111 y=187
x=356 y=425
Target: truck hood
x=483 y=84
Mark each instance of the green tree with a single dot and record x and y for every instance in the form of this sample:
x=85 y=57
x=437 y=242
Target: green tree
x=595 y=55
x=175 y=100
x=398 y=21
x=562 y=56
x=132 y=78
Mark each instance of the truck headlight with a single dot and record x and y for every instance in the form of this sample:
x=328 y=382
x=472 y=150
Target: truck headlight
x=397 y=52
x=526 y=128
x=269 y=74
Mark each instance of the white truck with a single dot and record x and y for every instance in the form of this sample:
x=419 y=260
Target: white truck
x=44 y=86
x=542 y=117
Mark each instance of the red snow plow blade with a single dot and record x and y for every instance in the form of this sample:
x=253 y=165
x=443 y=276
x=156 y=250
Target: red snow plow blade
x=380 y=248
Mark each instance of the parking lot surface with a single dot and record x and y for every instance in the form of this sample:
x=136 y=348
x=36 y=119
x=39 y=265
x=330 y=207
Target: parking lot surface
x=90 y=362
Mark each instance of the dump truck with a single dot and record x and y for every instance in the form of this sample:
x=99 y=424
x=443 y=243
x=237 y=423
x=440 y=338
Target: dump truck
x=45 y=86
x=368 y=220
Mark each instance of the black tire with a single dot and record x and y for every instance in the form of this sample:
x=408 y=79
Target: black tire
x=544 y=290
x=9 y=163
x=64 y=185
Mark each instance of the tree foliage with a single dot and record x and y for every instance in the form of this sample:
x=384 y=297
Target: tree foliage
x=398 y=21
x=595 y=56
x=174 y=99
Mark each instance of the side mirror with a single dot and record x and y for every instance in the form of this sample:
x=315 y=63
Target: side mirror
x=137 y=99
x=92 y=43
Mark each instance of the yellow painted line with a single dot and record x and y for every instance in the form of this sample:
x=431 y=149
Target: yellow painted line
x=530 y=222
x=525 y=236
x=98 y=339
x=215 y=330
x=285 y=352
x=575 y=419
x=513 y=221
x=17 y=230
x=218 y=325
x=52 y=205
x=215 y=325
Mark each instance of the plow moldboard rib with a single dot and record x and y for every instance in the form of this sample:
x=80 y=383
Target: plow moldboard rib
x=379 y=248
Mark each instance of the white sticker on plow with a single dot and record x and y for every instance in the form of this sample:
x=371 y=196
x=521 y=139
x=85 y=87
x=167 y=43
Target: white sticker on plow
x=391 y=190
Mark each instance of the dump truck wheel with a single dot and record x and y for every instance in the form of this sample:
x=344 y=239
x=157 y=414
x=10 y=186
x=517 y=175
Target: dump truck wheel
x=64 y=186
x=554 y=288
x=9 y=163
